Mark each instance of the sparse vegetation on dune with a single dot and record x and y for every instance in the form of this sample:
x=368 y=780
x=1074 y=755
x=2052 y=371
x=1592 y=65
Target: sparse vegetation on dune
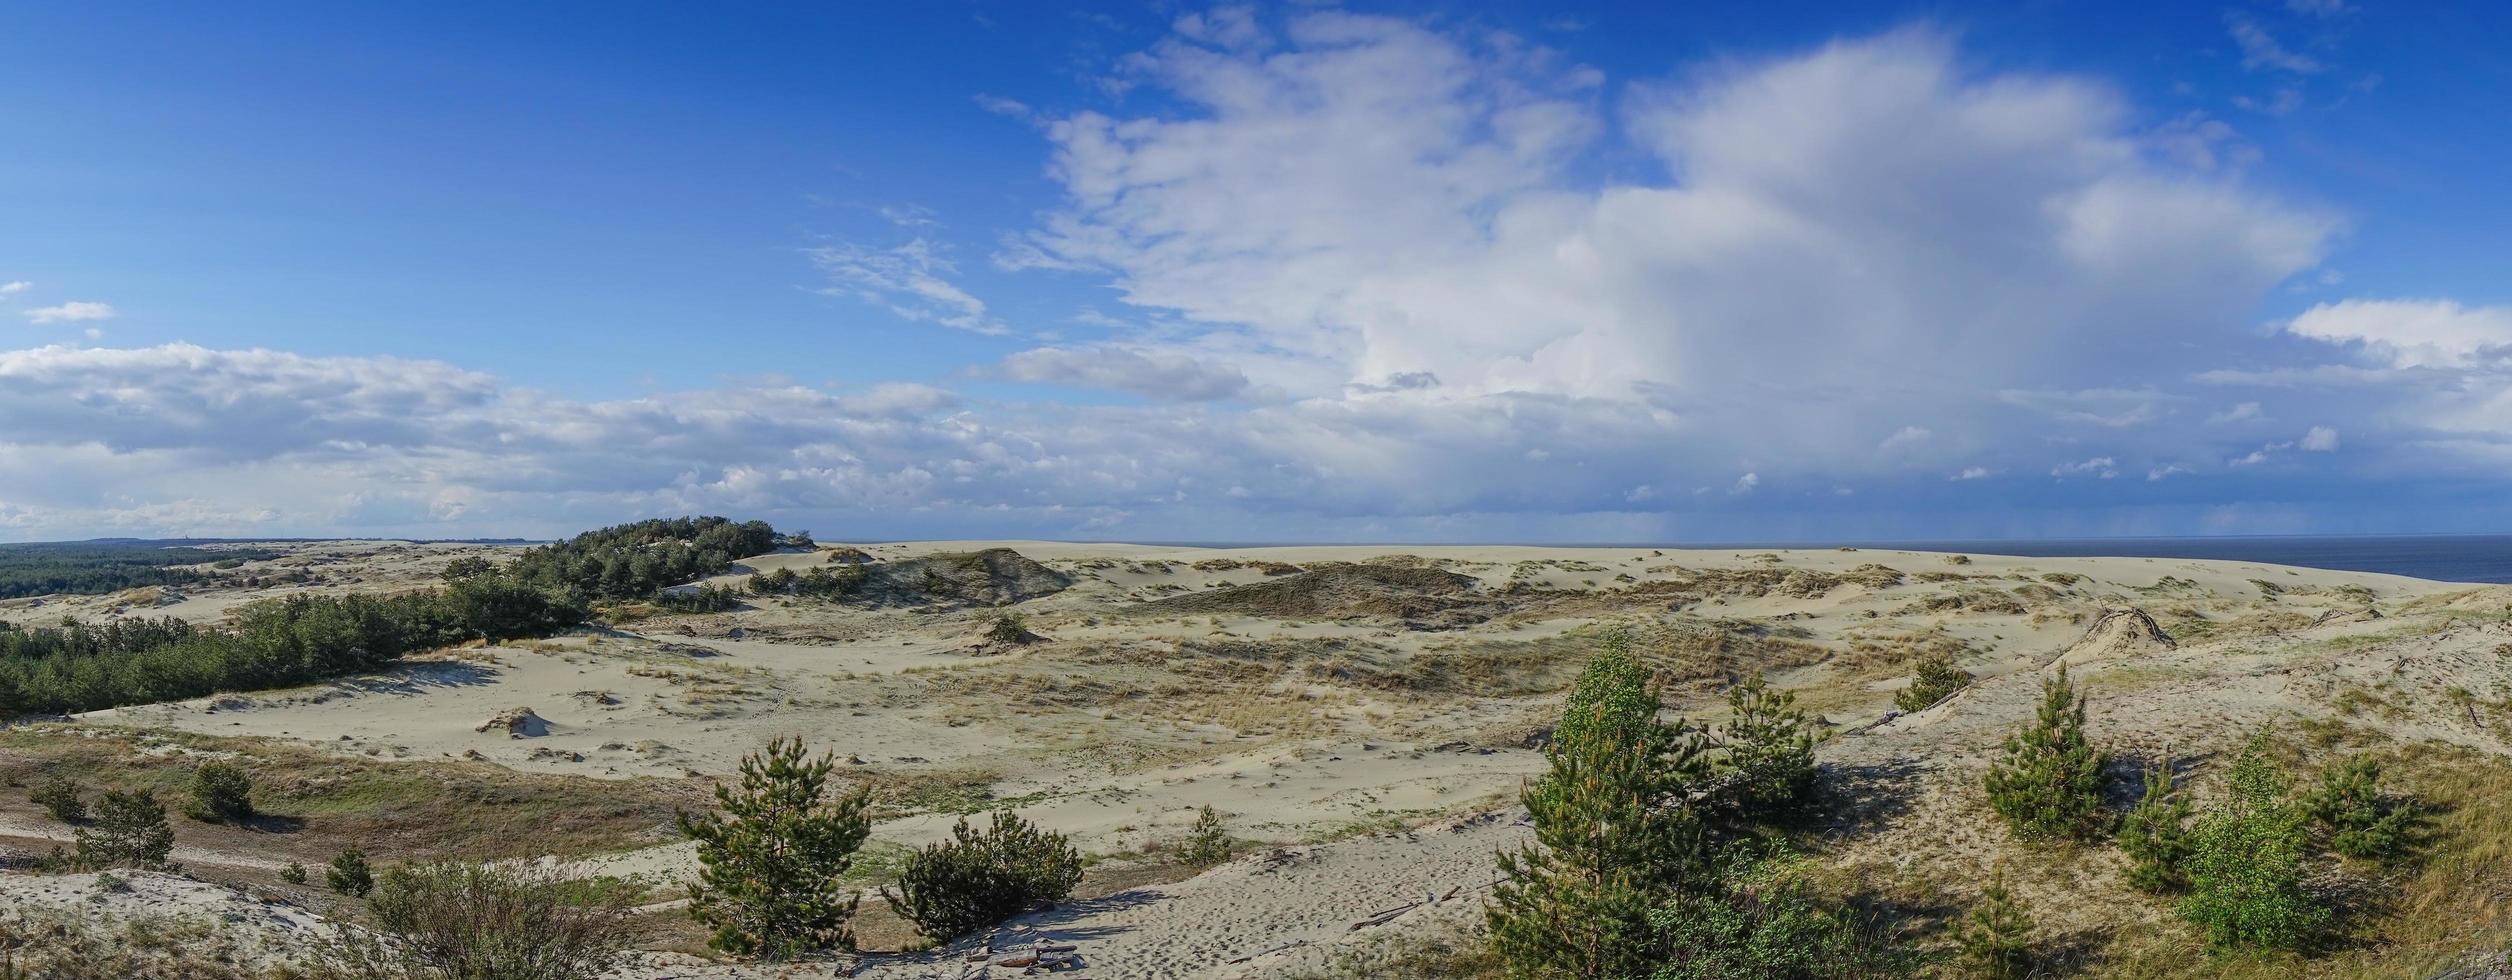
x=1286 y=743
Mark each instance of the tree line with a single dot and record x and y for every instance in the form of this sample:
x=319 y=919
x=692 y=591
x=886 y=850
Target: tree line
x=96 y=567
x=306 y=638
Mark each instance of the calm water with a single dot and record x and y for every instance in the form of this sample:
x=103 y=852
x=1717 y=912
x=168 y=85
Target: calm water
x=2446 y=557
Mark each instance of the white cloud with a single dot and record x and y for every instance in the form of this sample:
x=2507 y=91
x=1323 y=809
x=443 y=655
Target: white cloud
x=2164 y=472
x=15 y=287
x=2321 y=439
x=71 y=312
x=2241 y=412
x=1906 y=437
x=2101 y=466
x=1361 y=198
x=2411 y=333
x=1400 y=237
x=910 y=280
x=1156 y=374
x=2261 y=49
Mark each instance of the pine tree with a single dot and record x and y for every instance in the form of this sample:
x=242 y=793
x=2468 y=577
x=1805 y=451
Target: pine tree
x=2360 y=820
x=1769 y=765
x=1935 y=680
x=1207 y=842
x=1614 y=837
x=771 y=858
x=2155 y=835
x=349 y=874
x=2049 y=784
x=2246 y=861
x=129 y=831
x=1996 y=939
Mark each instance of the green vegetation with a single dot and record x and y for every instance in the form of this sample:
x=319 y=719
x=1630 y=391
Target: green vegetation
x=703 y=599
x=1935 y=680
x=96 y=567
x=2246 y=861
x=2155 y=836
x=1768 y=767
x=2356 y=817
x=457 y=921
x=1207 y=842
x=2049 y=782
x=823 y=582
x=1646 y=860
x=60 y=796
x=349 y=874
x=634 y=561
x=274 y=643
x=129 y=831
x=979 y=878
x=221 y=793
x=1996 y=938
x=773 y=857
x=293 y=874
x=1612 y=841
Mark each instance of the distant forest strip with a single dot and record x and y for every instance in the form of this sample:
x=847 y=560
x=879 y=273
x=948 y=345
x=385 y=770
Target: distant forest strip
x=94 y=567
x=302 y=639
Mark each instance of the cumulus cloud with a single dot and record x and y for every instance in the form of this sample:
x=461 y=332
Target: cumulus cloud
x=1155 y=374
x=15 y=287
x=1371 y=197
x=71 y=312
x=2410 y=333
x=1859 y=266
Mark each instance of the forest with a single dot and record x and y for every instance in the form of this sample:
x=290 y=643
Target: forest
x=300 y=639
x=96 y=567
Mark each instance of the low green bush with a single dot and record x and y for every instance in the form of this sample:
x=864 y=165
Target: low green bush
x=979 y=878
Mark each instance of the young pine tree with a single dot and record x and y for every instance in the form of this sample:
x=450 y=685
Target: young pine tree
x=1614 y=836
x=771 y=857
x=349 y=874
x=1207 y=842
x=1996 y=939
x=128 y=831
x=1935 y=680
x=2049 y=783
x=2155 y=836
x=1769 y=765
x=2246 y=861
x=2360 y=820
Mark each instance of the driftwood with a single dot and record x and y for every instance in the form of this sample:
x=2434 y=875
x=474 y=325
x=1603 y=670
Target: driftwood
x=1269 y=951
x=1027 y=957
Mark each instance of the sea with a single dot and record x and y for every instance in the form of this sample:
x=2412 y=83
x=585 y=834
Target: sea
x=2442 y=557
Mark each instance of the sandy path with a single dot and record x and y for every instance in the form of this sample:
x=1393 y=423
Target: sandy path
x=1289 y=904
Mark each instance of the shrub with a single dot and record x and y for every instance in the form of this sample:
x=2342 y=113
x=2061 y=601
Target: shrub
x=1207 y=842
x=221 y=793
x=2360 y=820
x=350 y=875
x=293 y=874
x=59 y=796
x=2155 y=836
x=770 y=858
x=1769 y=765
x=1762 y=923
x=1614 y=839
x=464 y=921
x=129 y=831
x=977 y=879
x=1935 y=680
x=1996 y=938
x=1011 y=628
x=2246 y=861
x=2049 y=783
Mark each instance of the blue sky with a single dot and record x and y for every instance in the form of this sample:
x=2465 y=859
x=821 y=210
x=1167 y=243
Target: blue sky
x=1368 y=272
